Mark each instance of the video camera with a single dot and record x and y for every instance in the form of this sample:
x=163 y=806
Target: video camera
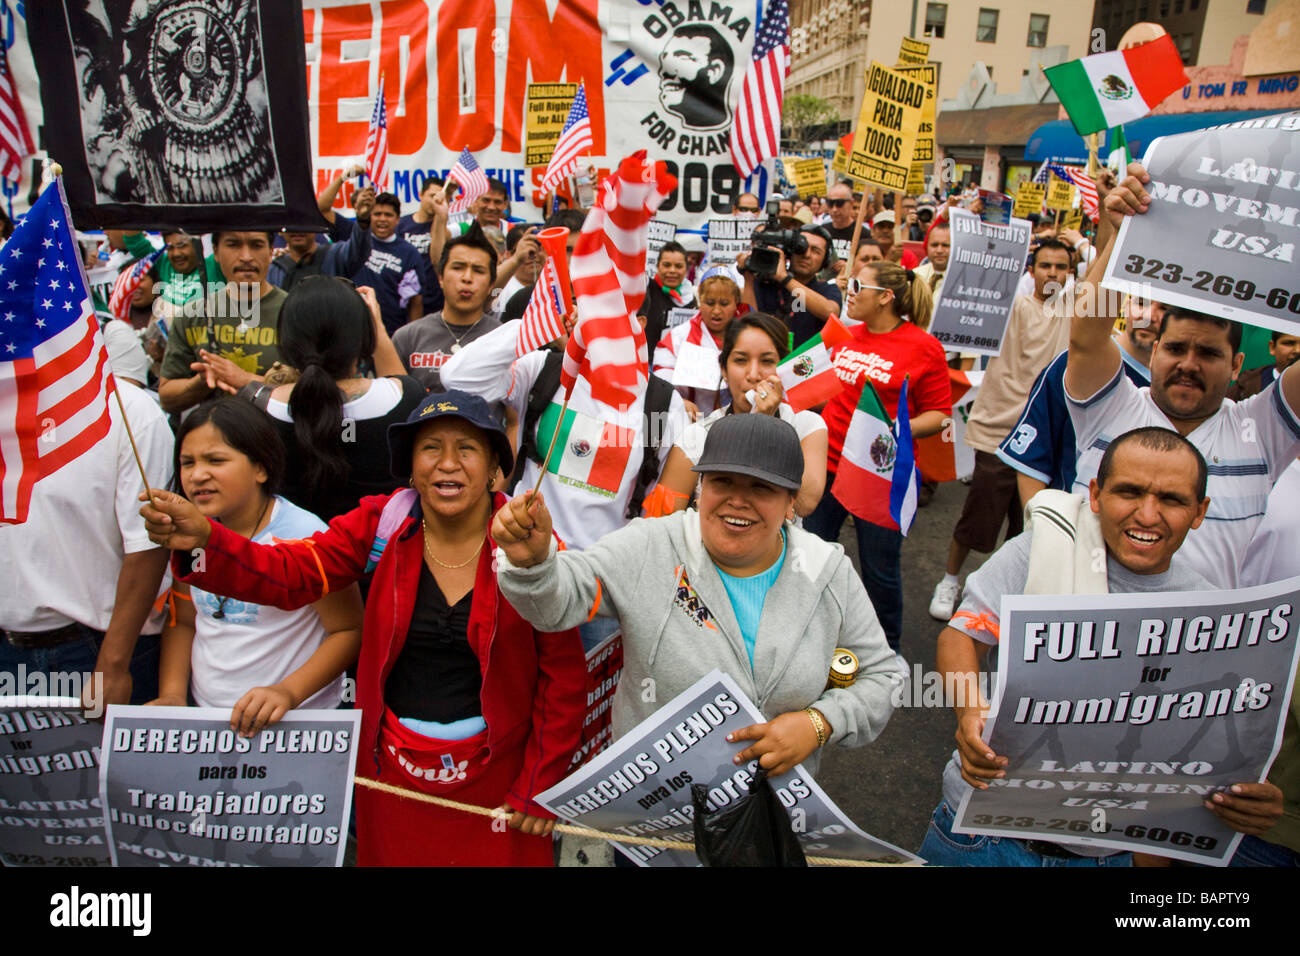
x=770 y=242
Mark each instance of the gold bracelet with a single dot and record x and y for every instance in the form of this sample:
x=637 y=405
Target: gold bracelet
x=819 y=725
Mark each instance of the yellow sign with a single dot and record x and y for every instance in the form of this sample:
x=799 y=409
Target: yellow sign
x=1029 y=199
x=885 y=136
x=808 y=175
x=548 y=108
x=913 y=51
x=915 y=180
x=1060 y=194
x=1073 y=220
x=929 y=75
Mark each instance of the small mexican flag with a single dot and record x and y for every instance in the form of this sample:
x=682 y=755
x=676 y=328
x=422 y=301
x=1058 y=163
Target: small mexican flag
x=877 y=478
x=808 y=375
x=589 y=453
x=1109 y=89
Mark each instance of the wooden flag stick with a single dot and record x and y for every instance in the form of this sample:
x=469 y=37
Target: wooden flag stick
x=549 y=451
x=117 y=393
x=857 y=235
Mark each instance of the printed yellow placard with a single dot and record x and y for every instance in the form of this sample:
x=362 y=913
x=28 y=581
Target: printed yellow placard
x=808 y=175
x=547 y=109
x=1029 y=199
x=928 y=74
x=885 y=137
x=1073 y=219
x=915 y=180
x=913 y=51
x=1060 y=194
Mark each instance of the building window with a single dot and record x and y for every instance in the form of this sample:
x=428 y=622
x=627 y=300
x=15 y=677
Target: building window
x=936 y=19
x=1178 y=7
x=987 y=31
x=1037 y=29
x=1184 y=43
x=1255 y=6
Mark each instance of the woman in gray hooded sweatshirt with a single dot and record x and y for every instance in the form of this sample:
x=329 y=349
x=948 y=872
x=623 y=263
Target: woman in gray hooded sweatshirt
x=733 y=586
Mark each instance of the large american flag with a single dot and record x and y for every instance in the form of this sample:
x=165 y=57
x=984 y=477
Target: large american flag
x=574 y=138
x=607 y=346
x=471 y=179
x=15 y=141
x=377 y=143
x=756 y=130
x=128 y=280
x=54 y=372
x=1079 y=177
x=543 y=320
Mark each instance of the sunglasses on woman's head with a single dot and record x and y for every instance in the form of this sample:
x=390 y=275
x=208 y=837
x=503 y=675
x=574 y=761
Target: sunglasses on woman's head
x=857 y=285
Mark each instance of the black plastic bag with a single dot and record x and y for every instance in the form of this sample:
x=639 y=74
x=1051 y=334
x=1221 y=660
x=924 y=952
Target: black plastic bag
x=753 y=831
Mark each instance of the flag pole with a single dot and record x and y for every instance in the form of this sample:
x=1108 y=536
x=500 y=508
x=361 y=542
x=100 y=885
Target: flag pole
x=857 y=233
x=559 y=422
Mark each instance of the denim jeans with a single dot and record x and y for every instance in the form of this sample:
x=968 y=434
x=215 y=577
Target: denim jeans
x=879 y=555
x=79 y=656
x=942 y=847
x=1252 y=851
x=596 y=630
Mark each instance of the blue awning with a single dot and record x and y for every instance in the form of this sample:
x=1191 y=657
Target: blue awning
x=1058 y=141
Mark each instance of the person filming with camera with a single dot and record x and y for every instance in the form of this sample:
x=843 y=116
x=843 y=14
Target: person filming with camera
x=781 y=270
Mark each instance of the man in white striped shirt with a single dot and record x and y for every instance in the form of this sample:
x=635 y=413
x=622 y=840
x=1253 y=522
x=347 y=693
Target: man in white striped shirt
x=1247 y=444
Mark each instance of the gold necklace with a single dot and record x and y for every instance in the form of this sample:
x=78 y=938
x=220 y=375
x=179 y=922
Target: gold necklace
x=443 y=564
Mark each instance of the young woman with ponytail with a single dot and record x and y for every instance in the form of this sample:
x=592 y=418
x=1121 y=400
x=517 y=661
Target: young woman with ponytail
x=333 y=421
x=893 y=306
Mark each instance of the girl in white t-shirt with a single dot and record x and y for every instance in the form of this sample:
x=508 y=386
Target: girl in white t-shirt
x=753 y=346
x=229 y=460
x=696 y=344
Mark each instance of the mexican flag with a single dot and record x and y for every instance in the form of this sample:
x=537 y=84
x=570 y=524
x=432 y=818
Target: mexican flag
x=808 y=375
x=1109 y=89
x=864 y=483
x=589 y=453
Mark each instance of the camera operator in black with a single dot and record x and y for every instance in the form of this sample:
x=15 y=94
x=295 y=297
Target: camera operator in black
x=791 y=291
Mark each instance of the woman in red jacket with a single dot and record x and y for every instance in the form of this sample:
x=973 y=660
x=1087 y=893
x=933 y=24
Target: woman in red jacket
x=460 y=697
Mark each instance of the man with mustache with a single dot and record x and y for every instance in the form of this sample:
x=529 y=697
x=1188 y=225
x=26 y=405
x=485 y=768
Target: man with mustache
x=1247 y=444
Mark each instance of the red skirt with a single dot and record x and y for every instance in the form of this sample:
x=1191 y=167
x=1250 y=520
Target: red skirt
x=398 y=831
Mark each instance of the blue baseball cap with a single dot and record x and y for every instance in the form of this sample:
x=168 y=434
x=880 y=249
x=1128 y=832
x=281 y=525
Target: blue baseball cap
x=449 y=404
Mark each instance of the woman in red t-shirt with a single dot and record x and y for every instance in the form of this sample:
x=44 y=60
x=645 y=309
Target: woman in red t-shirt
x=886 y=348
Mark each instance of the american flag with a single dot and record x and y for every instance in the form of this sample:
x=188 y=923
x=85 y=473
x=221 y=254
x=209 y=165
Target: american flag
x=377 y=143
x=128 y=280
x=607 y=346
x=15 y=141
x=54 y=372
x=1079 y=177
x=471 y=179
x=542 y=321
x=574 y=138
x=756 y=130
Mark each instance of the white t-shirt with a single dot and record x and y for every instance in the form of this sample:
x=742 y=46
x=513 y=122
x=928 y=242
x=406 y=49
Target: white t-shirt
x=255 y=645
x=692 y=441
x=379 y=399
x=594 y=470
x=1274 y=552
x=1247 y=445
x=61 y=565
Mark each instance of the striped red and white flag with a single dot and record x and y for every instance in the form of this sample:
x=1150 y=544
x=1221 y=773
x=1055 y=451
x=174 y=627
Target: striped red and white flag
x=607 y=346
x=543 y=320
x=1087 y=188
x=472 y=180
x=377 y=143
x=128 y=280
x=575 y=137
x=756 y=131
x=15 y=139
x=54 y=371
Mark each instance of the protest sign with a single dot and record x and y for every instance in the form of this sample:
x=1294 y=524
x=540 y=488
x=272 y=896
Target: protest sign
x=979 y=287
x=1073 y=220
x=913 y=51
x=180 y=788
x=915 y=184
x=729 y=237
x=807 y=175
x=604 y=668
x=1060 y=194
x=928 y=73
x=697 y=367
x=641 y=786
x=49 y=784
x=884 y=138
x=658 y=233
x=677 y=315
x=1029 y=199
x=548 y=108
x=997 y=207
x=1121 y=714
x=1220 y=234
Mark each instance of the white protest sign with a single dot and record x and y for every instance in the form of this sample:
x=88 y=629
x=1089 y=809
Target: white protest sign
x=641 y=785
x=677 y=315
x=1220 y=235
x=697 y=367
x=979 y=287
x=180 y=788
x=49 y=784
x=658 y=233
x=729 y=237
x=1121 y=714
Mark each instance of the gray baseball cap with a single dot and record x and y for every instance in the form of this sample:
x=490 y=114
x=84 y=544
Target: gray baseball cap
x=757 y=445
